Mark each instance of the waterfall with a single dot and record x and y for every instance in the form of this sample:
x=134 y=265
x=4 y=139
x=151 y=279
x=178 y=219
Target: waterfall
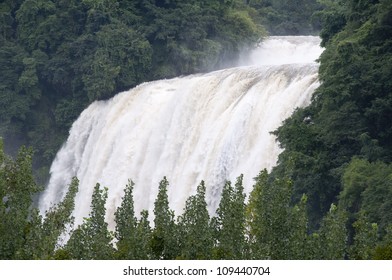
x=210 y=127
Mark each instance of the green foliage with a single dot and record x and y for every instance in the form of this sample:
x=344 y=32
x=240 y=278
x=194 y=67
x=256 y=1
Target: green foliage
x=367 y=188
x=383 y=250
x=25 y=234
x=18 y=75
x=365 y=239
x=126 y=223
x=121 y=59
x=132 y=235
x=254 y=216
x=17 y=188
x=143 y=235
x=164 y=238
x=332 y=17
x=282 y=17
x=268 y=226
x=92 y=240
x=350 y=112
x=44 y=234
x=230 y=222
x=300 y=243
x=277 y=230
x=333 y=235
x=194 y=226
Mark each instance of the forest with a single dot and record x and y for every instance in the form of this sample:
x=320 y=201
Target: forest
x=329 y=197
x=267 y=226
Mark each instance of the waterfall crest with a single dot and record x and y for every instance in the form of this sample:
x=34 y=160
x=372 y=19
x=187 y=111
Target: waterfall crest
x=210 y=127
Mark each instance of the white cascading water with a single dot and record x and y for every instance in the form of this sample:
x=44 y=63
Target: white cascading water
x=210 y=127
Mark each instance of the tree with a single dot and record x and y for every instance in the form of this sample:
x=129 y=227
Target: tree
x=333 y=235
x=267 y=215
x=299 y=240
x=276 y=229
x=383 y=251
x=45 y=235
x=164 y=238
x=25 y=234
x=366 y=188
x=350 y=109
x=126 y=223
x=142 y=251
x=230 y=222
x=365 y=239
x=121 y=60
x=17 y=188
x=278 y=214
x=133 y=235
x=255 y=210
x=194 y=227
x=33 y=18
x=92 y=240
x=281 y=17
x=15 y=102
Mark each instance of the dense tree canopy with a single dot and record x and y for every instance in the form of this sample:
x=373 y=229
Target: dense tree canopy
x=24 y=233
x=350 y=114
x=267 y=226
x=285 y=17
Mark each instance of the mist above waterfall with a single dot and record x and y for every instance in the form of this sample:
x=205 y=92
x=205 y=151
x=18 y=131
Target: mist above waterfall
x=210 y=127
x=280 y=50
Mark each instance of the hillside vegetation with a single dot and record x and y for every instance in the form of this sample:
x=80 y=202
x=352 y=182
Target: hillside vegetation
x=339 y=148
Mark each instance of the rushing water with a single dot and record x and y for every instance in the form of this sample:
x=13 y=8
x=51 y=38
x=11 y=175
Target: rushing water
x=210 y=127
